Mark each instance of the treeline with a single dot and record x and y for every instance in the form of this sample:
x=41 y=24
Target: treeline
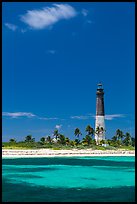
x=59 y=140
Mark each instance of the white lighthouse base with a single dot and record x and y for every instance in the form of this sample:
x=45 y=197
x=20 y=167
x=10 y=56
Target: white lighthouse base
x=100 y=122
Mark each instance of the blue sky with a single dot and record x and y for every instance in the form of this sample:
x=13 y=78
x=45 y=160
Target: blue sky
x=54 y=54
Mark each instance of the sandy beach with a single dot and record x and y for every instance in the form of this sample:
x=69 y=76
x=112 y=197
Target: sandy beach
x=6 y=153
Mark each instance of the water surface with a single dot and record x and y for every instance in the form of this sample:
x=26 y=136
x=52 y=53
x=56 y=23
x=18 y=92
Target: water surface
x=69 y=179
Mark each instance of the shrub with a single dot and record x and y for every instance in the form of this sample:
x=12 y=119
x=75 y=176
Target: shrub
x=111 y=148
x=56 y=148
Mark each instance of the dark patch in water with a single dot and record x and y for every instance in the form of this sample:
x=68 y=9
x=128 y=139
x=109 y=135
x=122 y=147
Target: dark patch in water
x=90 y=178
x=25 y=176
x=27 y=169
x=27 y=193
x=68 y=161
x=115 y=168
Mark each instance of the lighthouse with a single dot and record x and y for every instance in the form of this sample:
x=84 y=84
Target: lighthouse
x=100 y=115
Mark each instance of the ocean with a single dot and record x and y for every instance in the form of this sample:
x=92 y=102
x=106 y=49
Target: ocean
x=69 y=179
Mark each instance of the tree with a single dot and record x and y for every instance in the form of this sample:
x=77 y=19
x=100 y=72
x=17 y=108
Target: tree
x=72 y=142
x=33 y=139
x=42 y=140
x=62 y=139
x=102 y=142
x=56 y=134
x=67 y=141
x=12 y=140
x=90 y=130
x=84 y=141
x=119 y=134
x=117 y=138
x=127 y=141
x=94 y=142
x=133 y=141
x=77 y=141
x=29 y=138
x=88 y=139
x=98 y=131
x=109 y=141
x=114 y=138
x=48 y=139
x=77 y=133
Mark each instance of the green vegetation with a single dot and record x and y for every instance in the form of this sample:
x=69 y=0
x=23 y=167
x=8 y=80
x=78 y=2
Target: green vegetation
x=99 y=130
x=59 y=141
x=77 y=133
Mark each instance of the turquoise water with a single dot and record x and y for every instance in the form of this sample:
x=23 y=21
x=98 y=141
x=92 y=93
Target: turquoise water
x=72 y=179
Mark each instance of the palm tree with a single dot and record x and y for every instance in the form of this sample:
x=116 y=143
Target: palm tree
x=114 y=138
x=127 y=141
x=122 y=135
x=62 y=139
x=48 y=139
x=102 y=142
x=94 y=142
x=56 y=134
x=77 y=132
x=109 y=141
x=42 y=140
x=72 y=142
x=119 y=134
x=33 y=139
x=98 y=131
x=67 y=140
x=90 y=130
x=29 y=138
x=133 y=141
x=76 y=141
x=102 y=129
x=12 y=140
x=88 y=139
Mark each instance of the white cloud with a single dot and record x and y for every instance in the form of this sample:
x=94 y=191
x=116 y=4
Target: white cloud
x=11 y=26
x=45 y=17
x=18 y=114
x=80 y=117
x=42 y=118
x=84 y=12
x=25 y=114
x=58 y=126
x=107 y=117
x=111 y=117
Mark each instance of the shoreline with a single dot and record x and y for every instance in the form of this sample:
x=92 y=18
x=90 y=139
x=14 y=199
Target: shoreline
x=8 y=153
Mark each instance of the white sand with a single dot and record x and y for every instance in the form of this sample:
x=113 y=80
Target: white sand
x=6 y=153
